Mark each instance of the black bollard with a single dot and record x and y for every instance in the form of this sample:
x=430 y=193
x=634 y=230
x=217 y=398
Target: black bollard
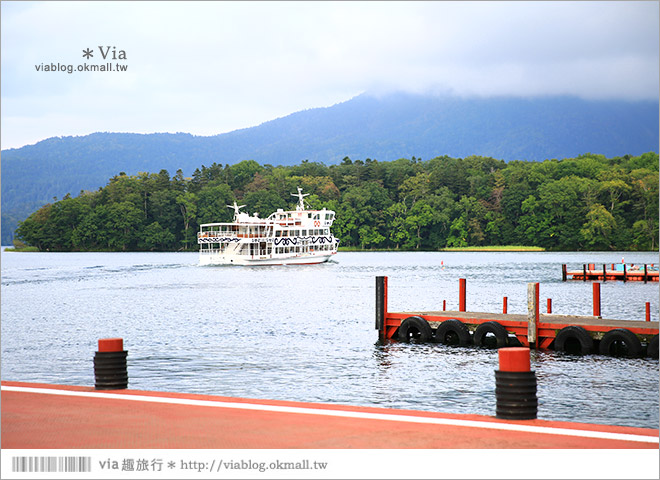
x=110 y=371
x=515 y=385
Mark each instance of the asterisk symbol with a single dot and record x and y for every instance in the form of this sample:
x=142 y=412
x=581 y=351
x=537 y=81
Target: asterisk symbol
x=171 y=465
x=87 y=53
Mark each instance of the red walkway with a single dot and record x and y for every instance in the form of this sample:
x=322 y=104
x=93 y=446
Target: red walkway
x=48 y=416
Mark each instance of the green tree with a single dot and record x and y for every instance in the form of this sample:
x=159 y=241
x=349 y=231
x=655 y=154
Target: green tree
x=458 y=233
x=212 y=204
x=598 y=228
x=588 y=202
x=188 y=206
x=562 y=212
x=645 y=203
x=263 y=202
x=242 y=173
x=156 y=237
x=399 y=234
x=420 y=216
x=370 y=237
x=125 y=222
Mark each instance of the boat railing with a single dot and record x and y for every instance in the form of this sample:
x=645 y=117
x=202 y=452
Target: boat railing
x=233 y=235
x=217 y=234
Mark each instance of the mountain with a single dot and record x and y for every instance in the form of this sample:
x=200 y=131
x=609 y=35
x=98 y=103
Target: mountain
x=384 y=128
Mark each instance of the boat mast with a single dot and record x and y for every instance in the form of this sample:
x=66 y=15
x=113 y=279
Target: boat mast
x=301 y=204
x=237 y=209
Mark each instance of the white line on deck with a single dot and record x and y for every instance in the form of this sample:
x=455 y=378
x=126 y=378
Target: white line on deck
x=343 y=413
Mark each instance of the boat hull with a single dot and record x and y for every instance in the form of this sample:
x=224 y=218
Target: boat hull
x=220 y=259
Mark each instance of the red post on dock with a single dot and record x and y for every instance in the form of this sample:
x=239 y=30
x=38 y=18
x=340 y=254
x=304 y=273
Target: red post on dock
x=505 y=305
x=549 y=308
x=381 y=305
x=596 y=295
x=461 y=295
x=648 y=311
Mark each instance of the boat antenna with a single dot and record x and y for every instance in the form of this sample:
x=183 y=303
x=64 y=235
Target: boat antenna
x=300 y=195
x=236 y=208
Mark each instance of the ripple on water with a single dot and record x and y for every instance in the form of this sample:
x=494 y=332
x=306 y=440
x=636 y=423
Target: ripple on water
x=307 y=333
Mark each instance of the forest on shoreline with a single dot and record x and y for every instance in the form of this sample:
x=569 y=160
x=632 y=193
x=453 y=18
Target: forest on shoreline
x=585 y=203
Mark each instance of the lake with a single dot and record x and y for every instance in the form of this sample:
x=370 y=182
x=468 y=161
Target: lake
x=306 y=333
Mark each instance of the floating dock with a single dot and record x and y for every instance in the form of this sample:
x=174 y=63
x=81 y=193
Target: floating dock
x=568 y=333
x=40 y=416
x=617 y=271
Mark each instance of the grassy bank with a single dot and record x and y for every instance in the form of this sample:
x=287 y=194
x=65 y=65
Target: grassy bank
x=495 y=248
x=21 y=249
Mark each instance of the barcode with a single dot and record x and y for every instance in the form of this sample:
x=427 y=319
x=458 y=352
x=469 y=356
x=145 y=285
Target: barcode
x=51 y=464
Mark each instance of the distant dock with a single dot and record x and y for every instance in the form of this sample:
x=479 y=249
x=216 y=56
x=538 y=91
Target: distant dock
x=616 y=271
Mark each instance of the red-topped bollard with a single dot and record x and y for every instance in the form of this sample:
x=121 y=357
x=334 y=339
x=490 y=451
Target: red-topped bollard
x=111 y=345
x=515 y=385
x=110 y=371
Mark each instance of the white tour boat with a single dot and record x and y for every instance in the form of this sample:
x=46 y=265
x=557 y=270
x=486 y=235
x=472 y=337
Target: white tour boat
x=284 y=238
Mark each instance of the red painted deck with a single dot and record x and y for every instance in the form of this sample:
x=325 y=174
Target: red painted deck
x=38 y=416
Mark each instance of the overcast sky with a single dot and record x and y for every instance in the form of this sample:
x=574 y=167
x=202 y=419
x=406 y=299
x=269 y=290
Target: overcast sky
x=213 y=67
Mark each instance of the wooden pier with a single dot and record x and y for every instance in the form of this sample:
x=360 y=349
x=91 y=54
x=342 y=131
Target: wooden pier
x=617 y=271
x=567 y=333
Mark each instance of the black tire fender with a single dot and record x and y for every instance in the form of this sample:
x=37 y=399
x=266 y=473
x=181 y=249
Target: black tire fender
x=652 y=348
x=500 y=333
x=453 y=332
x=610 y=343
x=574 y=339
x=415 y=328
